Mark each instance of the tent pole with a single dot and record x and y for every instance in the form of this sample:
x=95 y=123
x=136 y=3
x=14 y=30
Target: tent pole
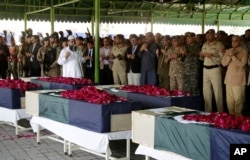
x=152 y=25
x=97 y=23
x=25 y=21
x=52 y=13
x=218 y=25
x=52 y=19
x=203 y=20
x=93 y=24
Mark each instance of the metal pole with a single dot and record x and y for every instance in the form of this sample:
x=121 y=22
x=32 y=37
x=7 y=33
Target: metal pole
x=203 y=20
x=97 y=45
x=62 y=4
x=152 y=25
x=52 y=19
x=40 y=10
x=218 y=25
x=25 y=21
x=52 y=13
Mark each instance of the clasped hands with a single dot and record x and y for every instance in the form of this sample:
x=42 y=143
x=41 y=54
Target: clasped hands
x=230 y=52
x=89 y=58
x=130 y=56
x=205 y=54
x=105 y=57
x=144 y=47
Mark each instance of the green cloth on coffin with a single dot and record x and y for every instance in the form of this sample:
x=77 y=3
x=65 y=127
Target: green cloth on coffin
x=45 y=85
x=55 y=108
x=189 y=140
x=118 y=93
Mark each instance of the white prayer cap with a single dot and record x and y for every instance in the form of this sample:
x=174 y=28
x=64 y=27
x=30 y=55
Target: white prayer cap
x=71 y=37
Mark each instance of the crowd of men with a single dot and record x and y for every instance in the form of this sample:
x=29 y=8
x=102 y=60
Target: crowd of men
x=213 y=65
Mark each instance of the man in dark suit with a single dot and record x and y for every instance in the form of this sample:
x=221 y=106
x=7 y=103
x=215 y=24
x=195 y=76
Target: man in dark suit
x=133 y=68
x=35 y=68
x=4 y=53
x=90 y=59
x=148 y=62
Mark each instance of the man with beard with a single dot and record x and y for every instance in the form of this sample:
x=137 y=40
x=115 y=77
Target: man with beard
x=71 y=60
x=147 y=54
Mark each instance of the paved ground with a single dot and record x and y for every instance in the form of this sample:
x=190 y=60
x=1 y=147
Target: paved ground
x=24 y=147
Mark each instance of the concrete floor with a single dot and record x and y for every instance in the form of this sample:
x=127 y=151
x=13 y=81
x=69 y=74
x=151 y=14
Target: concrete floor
x=24 y=147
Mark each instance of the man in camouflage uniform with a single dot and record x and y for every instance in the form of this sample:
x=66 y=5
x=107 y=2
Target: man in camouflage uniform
x=191 y=68
x=24 y=60
x=55 y=43
x=163 y=68
x=175 y=65
x=47 y=56
x=13 y=49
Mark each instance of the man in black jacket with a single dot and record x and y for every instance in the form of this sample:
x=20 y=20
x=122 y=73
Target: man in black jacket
x=35 y=68
x=90 y=59
x=4 y=53
x=133 y=68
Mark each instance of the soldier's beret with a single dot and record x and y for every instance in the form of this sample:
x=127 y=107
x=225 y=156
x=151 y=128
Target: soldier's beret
x=190 y=34
x=63 y=39
x=54 y=35
x=46 y=39
x=175 y=37
x=80 y=38
x=221 y=32
x=210 y=31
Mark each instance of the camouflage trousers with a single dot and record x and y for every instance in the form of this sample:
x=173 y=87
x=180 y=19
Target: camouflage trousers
x=13 y=69
x=164 y=81
x=191 y=84
x=176 y=83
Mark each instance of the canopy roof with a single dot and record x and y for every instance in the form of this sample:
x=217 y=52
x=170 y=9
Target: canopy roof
x=224 y=12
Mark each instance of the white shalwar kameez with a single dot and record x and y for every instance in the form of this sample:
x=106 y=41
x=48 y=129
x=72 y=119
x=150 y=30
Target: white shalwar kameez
x=72 y=66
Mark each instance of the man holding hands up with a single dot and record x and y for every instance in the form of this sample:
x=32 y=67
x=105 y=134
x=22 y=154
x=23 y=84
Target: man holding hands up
x=235 y=59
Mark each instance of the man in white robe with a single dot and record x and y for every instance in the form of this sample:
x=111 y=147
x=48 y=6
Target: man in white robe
x=71 y=60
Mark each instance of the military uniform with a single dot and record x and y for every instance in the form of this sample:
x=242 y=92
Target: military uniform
x=212 y=80
x=13 y=60
x=191 y=69
x=119 y=64
x=24 y=68
x=235 y=78
x=175 y=69
x=163 y=70
x=48 y=56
